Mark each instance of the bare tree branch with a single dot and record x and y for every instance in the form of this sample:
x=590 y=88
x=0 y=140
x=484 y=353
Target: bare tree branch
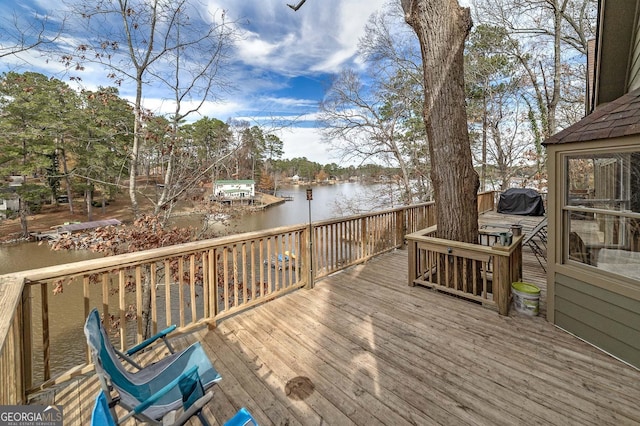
x=25 y=35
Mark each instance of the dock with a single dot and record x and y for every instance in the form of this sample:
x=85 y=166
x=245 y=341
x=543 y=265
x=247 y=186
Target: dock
x=69 y=228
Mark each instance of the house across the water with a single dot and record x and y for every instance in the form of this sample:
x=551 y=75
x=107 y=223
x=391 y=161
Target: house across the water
x=231 y=191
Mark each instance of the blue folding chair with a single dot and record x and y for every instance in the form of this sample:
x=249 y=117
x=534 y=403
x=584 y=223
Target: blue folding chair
x=241 y=418
x=150 y=392
x=101 y=416
x=193 y=399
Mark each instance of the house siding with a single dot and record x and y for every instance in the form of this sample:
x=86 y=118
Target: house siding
x=604 y=318
x=634 y=69
x=232 y=189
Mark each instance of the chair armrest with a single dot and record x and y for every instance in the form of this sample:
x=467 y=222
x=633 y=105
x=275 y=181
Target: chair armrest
x=161 y=335
x=156 y=396
x=195 y=408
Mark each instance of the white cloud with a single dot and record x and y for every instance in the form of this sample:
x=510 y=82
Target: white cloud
x=254 y=49
x=321 y=36
x=306 y=142
x=296 y=102
x=221 y=110
x=277 y=45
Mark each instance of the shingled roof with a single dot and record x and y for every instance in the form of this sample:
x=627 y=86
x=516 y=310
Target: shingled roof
x=617 y=118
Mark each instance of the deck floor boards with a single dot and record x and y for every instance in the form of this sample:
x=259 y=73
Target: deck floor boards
x=380 y=352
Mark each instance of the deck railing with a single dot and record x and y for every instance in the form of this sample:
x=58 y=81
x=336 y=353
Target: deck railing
x=191 y=285
x=480 y=272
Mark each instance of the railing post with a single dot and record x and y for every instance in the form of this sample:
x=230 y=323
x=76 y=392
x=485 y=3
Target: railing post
x=46 y=340
x=307 y=240
x=26 y=340
x=412 y=263
x=502 y=285
x=365 y=237
x=213 y=282
x=401 y=228
x=12 y=371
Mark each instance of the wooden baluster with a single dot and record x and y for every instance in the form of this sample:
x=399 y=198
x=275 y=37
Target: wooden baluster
x=167 y=291
x=181 y=290
x=46 y=349
x=473 y=274
x=154 y=301
x=205 y=284
x=225 y=273
x=291 y=263
x=27 y=336
x=234 y=258
x=213 y=284
x=270 y=265
x=485 y=266
x=192 y=287
x=139 y=304
x=105 y=299
x=245 y=277
x=283 y=269
x=261 y=280
x=87 y=307
x=254 y=276
x=123 y=308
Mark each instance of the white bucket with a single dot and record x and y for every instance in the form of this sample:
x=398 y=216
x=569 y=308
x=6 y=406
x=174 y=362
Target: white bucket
x=526 y=298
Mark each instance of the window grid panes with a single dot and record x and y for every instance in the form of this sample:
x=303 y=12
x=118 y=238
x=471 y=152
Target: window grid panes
x=601 y=211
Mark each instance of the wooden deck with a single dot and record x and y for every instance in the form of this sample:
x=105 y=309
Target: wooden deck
x=377 y=351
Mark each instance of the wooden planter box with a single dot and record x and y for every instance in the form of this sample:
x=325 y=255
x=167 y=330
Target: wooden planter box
x=478 y=272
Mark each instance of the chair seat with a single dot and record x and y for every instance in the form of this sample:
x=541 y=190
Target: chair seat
x=154 y=382
x=171 y=366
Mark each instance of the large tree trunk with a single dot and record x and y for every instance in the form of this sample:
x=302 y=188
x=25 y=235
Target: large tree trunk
x=24 y=223
x=442 y=27
x=88 y=198
x=134 y=155
x=67 y=180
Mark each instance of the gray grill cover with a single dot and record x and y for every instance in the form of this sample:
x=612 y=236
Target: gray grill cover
x=521 y=201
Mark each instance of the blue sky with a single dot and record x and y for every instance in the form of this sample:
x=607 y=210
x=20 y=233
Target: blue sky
x=281 y=66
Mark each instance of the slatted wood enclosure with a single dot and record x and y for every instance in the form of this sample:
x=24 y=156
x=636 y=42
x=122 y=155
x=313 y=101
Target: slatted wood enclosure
x=482 y=272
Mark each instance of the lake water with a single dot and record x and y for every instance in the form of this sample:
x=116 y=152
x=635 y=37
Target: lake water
x=328 y=202
x=67 y=309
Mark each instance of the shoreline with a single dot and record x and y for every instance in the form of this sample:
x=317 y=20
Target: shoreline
x=55 y=216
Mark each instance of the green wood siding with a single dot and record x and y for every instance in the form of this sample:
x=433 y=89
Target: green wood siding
x=601 y=317
x=634 y=69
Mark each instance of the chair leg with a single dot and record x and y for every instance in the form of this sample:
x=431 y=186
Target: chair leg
x=203 y=419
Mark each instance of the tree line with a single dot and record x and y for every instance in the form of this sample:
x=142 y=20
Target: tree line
x=75 y=144
x=524 y=78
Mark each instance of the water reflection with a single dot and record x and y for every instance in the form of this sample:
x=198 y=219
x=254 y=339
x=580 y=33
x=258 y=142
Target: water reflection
x=329 y=201
x=24 y=256
x=67 y=309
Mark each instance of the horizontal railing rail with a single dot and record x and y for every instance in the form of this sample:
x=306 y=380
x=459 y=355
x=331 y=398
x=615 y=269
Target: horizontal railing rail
x=191 y=285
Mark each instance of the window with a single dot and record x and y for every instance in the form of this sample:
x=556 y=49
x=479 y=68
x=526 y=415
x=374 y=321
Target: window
x=601 y=211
